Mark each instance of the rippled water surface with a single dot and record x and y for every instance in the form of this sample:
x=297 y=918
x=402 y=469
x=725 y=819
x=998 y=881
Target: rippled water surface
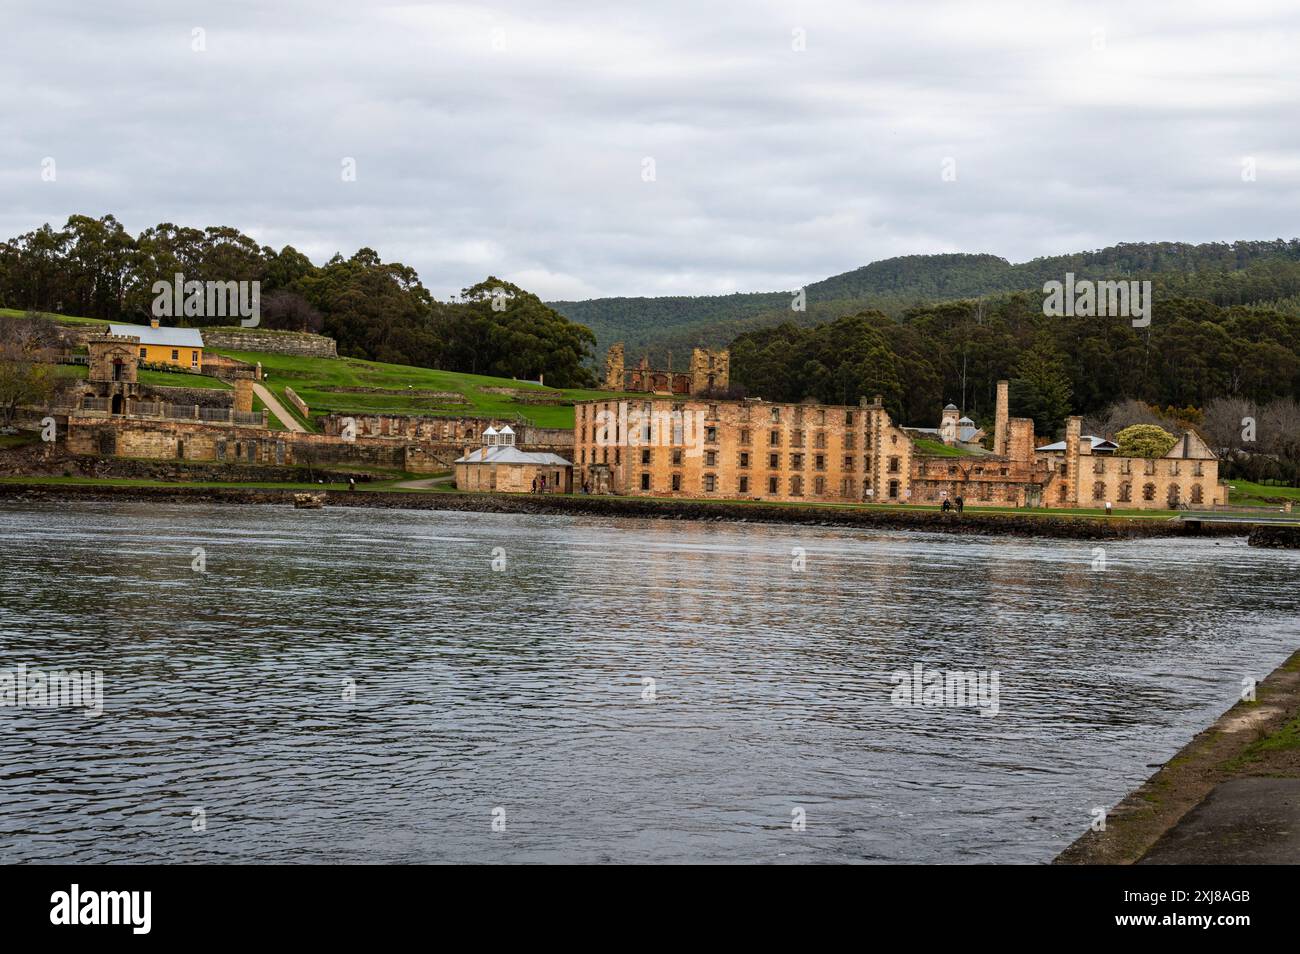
x=524 y=690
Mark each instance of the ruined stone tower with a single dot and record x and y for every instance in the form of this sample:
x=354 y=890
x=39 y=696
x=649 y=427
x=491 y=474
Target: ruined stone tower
x=710 y=370
x=614 y=368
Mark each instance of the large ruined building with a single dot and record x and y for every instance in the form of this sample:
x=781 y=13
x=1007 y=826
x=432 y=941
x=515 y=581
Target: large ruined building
x=753 y=450
x=709 y=373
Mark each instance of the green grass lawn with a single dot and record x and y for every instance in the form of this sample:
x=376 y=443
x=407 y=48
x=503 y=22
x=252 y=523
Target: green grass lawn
x=928 y=448
x=181 y=379
x=10 y=441
x=1248 y=494
x=61 y=319
x=396 y=390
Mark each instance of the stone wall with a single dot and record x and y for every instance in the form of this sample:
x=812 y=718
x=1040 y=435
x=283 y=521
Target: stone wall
x=180 y=440
x=451 y=431
x=204 y=397
x=299 y=403
x=748 y=450
x=275 y=342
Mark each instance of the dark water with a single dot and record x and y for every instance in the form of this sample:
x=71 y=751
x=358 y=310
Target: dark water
x=523 y=689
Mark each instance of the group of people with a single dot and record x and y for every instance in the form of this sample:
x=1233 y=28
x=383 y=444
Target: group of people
x=539 y=484
x=958 y=503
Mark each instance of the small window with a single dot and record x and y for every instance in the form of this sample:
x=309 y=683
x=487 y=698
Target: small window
x=773 y=485
x=774 y=461
x=710 y=458
x=645 y=481
x=774 y=438
x=744 y=459
x=677 y=481
x=645 y=456
x=710 y=482
x=144 y=353
x=176 y=355
x=677 y=458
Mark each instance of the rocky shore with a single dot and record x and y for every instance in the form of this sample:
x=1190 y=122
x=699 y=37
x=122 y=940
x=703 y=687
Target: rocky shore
x=1026 y=525
x=1276 y=538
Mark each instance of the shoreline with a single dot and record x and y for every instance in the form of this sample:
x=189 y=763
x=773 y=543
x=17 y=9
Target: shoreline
x=971 y=523
x=1257 y=740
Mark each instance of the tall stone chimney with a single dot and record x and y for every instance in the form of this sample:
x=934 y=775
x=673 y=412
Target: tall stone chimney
x=1073 y=432
x=1001 y=432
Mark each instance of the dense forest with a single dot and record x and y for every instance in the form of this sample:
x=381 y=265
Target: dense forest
x=1222 y=273
x=375 y=309
x=1193 y=351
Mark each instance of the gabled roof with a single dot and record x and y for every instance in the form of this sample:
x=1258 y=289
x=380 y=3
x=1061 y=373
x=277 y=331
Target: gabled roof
x=1098 y=443
x=509 y=454
x=1191 y=446
x=165 y=337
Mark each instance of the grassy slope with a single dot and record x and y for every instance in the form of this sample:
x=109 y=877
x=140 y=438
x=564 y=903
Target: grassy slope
x=928 y=448
x=397 y=388
x=311 y=379
x=1245 y=493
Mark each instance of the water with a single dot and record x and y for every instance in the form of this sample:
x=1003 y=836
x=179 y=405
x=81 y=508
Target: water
x=523 y=690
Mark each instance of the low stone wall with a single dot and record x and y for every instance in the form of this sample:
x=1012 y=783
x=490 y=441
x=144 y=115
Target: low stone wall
x=204 y=397
x=183 y=440
x=297 y=402
x=295 y=343
x=1071 y=528
x=453 y=431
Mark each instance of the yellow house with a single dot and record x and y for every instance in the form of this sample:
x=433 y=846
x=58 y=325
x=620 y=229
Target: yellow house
x=182 y=347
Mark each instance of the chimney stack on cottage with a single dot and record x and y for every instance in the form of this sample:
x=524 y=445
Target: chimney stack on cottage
x=153 y=322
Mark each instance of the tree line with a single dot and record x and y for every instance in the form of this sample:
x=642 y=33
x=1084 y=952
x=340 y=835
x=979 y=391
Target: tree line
x=375 y=309
x=1193 y=352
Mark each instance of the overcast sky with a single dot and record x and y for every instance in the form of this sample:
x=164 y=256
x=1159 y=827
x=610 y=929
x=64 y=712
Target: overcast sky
x=511 y=138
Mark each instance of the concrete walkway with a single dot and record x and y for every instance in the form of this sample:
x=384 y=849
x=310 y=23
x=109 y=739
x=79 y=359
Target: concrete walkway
x=1247 y=821
x=275 y=407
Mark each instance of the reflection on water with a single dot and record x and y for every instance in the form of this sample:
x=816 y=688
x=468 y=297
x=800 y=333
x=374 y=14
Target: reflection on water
x=523 y=689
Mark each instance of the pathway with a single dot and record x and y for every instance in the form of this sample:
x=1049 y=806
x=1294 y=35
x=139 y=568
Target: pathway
x=275 y=407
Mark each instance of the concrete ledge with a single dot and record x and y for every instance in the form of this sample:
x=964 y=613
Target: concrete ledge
x=1241 y=744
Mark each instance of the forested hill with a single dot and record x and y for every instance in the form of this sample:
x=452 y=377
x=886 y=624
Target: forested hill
x=1223 y=273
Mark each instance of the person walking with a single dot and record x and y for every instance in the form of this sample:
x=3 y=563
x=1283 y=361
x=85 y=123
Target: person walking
x=961 y=504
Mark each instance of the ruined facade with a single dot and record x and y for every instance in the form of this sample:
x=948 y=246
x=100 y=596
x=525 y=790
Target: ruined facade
x=752 y=450
x=741 y=450
x=709 y=373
